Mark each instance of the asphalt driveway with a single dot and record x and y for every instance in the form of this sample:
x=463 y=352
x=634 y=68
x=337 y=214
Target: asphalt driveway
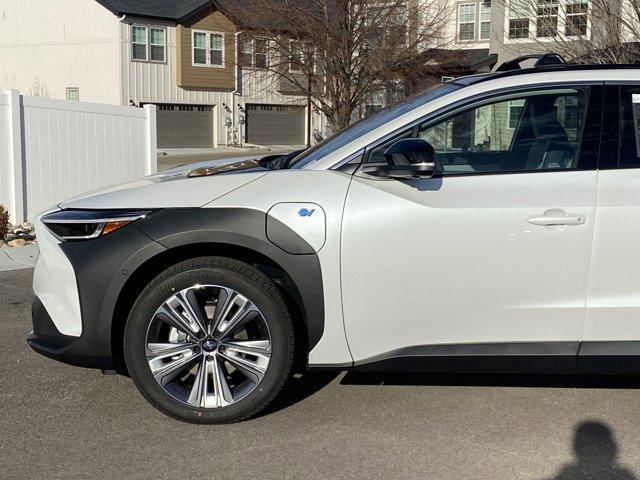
x=58 y=421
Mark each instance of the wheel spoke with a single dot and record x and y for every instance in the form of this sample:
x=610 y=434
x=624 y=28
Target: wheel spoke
x=260 y=348
x=224 y=304
x=184 y=312
x=170 y=315
x=231 y=318
x=155 y=350
x=199 y=394
x=166 y=361
x=254 y=370
x=223 y=393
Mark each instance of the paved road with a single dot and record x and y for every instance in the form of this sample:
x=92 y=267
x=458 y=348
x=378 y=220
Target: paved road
x=60 y=422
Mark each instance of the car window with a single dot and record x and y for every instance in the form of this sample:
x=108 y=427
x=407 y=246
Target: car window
x=629 y=155
x=376 y=154
x=537 y=130
x=369 y=124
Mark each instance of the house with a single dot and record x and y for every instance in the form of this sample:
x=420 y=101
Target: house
x=198 y=61
x=181 y=56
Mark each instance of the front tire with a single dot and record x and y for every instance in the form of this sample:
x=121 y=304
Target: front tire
x=209 y=340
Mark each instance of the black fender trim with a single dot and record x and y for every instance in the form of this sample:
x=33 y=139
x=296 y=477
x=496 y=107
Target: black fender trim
x=247 y=228
x=104 y=265
x=583 y=358
x=619 y=357
x=525 y=357
x=47 y=340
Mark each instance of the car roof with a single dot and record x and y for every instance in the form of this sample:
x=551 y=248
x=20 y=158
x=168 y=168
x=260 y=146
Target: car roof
x=591 y=69
x=473 y=86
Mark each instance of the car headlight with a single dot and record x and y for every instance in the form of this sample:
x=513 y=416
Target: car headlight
x=74 y=225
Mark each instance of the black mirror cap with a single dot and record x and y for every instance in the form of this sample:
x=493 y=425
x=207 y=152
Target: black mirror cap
x=410 y=151
x=399 y=172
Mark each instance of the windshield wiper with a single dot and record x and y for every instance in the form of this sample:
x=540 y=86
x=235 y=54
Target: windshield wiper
x=279 y=162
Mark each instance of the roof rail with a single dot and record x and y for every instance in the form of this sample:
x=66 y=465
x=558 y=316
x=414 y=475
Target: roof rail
x=543 y=60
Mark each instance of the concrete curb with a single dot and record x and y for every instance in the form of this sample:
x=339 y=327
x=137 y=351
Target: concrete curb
x=17 y=258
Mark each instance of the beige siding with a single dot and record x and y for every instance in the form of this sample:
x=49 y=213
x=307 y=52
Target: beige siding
x=189 y=75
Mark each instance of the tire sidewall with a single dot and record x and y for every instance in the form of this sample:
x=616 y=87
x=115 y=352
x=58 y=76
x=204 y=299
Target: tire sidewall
x=277 y=321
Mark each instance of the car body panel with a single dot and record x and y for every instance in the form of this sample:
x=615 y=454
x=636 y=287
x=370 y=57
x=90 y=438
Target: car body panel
x=613 y=305
x=54 y=282
x=327 y=189
x=454 y=260
x=171 y=190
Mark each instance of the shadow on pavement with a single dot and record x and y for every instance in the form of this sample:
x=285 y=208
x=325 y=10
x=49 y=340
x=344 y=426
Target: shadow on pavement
x=298 y=388
x=596 y=451
x=491 y=380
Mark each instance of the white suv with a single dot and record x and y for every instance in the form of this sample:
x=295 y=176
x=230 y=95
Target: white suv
x=489 y=224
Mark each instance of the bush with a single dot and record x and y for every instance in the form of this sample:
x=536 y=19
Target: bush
x=4 y=222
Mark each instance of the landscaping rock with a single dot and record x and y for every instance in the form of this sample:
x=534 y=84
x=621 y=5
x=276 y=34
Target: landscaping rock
x=21 y=234
x=18 y=242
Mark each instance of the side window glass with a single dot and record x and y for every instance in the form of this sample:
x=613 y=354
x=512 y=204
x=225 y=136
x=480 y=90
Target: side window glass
x=539 y=130
x=376 y=154
x=629 y=127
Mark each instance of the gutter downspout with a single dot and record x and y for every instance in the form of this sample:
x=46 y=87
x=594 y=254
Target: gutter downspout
x=234 y=93
x=120 y=61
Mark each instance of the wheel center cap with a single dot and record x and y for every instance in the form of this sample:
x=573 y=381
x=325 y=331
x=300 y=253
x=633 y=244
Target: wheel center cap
x=209 y=345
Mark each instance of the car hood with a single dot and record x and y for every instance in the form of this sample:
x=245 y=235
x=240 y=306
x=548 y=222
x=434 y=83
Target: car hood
x=183 y=187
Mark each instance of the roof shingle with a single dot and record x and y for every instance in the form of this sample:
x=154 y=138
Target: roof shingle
x=164 y=9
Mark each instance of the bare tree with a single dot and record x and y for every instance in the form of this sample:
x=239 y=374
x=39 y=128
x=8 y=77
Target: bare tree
x=593 y=31
x=341 y=52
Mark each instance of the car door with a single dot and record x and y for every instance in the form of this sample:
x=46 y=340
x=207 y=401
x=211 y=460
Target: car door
x=613 y=301
x=491 y=255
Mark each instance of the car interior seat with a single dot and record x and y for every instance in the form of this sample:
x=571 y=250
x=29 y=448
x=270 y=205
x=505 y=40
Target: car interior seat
x=551 y=147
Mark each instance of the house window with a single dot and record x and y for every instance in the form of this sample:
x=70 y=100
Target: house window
x=576 y=22
x=519 y=15
x=254 y=52
x=158 y=44
x=148 y=43
x=467 y=21
x=217 y=49
x=485 y=20
x=547 y=25
x=139 y=43
x=73 y=93
x=247 y=52
x=295 y=58
x=514 y=113
x=208 y=48
x=260 y=53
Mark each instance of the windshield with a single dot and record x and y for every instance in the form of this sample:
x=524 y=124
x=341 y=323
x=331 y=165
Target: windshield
x=368 y=124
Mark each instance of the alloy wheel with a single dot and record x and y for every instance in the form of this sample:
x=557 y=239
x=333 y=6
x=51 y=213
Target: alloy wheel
x=208 y=346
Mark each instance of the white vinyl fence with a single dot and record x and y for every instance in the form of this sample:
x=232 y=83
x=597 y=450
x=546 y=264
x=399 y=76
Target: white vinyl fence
x=51 y=150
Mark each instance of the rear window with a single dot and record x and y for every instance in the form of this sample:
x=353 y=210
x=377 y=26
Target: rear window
x=629 y=127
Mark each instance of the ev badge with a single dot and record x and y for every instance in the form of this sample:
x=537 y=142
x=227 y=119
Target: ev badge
x=305 y=212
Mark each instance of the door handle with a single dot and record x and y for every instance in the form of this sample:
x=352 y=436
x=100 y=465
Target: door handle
x=558 y=218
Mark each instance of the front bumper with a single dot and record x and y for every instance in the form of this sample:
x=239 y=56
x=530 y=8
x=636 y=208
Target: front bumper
x=77 y=287
x=47 y=340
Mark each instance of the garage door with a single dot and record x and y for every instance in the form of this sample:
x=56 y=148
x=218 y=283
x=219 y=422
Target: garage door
x=185 y=126
x=275 y=124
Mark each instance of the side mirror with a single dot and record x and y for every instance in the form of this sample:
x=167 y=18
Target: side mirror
x=408 y=158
